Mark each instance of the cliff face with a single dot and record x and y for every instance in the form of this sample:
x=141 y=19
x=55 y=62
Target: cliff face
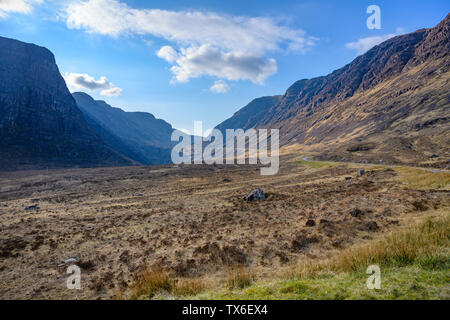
x=40 y=124
x=394 y=98
x=138 y=135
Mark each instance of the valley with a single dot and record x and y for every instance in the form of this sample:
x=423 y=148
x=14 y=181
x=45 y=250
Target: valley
x=193 y=222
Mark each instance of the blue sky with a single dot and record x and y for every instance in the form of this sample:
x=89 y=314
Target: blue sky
x=203 y=60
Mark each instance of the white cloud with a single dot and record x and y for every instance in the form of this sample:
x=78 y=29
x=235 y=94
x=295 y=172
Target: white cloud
x=194 y=62
x=365 y=44
x=219 y=86
x=17 y=6
x=202 y=39
x=167 y=53
x=77 y=81
x=111 y=92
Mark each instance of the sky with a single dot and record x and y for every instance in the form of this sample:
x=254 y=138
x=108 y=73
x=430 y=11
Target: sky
x=188 y=60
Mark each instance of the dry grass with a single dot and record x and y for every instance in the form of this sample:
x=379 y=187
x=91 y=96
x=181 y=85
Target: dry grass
x=239 y=277
x=189 y=287
x=421 y=244
x=319 y=164
x=419 y=179
x=151 y=282
x=415 y=263
x=154 y=281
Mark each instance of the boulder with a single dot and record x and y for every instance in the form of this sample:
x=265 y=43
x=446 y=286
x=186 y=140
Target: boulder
x=256 y=195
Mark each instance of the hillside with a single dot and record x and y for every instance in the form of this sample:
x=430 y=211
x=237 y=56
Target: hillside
x=138 y=135
x=40 y=124
x=390 y=104
x=250 y=115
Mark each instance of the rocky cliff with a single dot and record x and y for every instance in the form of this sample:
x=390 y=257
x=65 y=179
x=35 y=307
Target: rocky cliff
x=40 y=123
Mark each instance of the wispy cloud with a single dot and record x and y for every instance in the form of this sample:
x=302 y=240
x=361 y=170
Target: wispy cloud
x=17 y=6
x=202 y=43
x=77 y=81
x=365 y=44
x=219 y=86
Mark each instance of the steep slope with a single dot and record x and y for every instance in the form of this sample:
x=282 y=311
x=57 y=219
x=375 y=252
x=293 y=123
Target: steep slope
x=138 y=135
x=248 y=116
x=391 y=103
x=40 y=124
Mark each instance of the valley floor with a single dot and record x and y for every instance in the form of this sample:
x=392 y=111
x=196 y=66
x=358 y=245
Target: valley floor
x=186 y=231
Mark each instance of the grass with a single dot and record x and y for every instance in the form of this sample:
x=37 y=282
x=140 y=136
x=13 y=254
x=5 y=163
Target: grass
x=156 y=281
x=414 y=263
x=318 y=164
x=418 y=179
x=239 y=278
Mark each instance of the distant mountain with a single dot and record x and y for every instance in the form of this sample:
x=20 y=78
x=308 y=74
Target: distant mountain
x=40 y=123
x=138 y=135
x=391 y=103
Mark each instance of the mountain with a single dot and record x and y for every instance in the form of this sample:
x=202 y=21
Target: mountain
x=391 y=104
x=138 y=135
x=248 y=116
x=40 y=123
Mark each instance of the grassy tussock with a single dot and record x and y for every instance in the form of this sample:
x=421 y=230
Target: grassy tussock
x=239 y=278
x=154 y=281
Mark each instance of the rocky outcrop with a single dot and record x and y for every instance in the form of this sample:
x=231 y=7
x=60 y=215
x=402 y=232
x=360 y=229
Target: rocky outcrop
x=40 y=124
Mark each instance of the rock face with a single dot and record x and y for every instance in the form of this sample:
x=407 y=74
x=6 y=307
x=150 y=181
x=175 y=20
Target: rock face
x=138 y=135
x=40 y=124
x=393 y=101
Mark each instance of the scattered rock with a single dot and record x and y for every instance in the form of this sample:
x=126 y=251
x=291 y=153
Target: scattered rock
x=71 y=260
x=256 y=195
x=310 y=223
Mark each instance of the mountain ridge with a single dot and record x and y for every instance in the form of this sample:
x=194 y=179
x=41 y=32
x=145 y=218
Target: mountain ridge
x=40 y=124
x=138 y=135
x=368 y=100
